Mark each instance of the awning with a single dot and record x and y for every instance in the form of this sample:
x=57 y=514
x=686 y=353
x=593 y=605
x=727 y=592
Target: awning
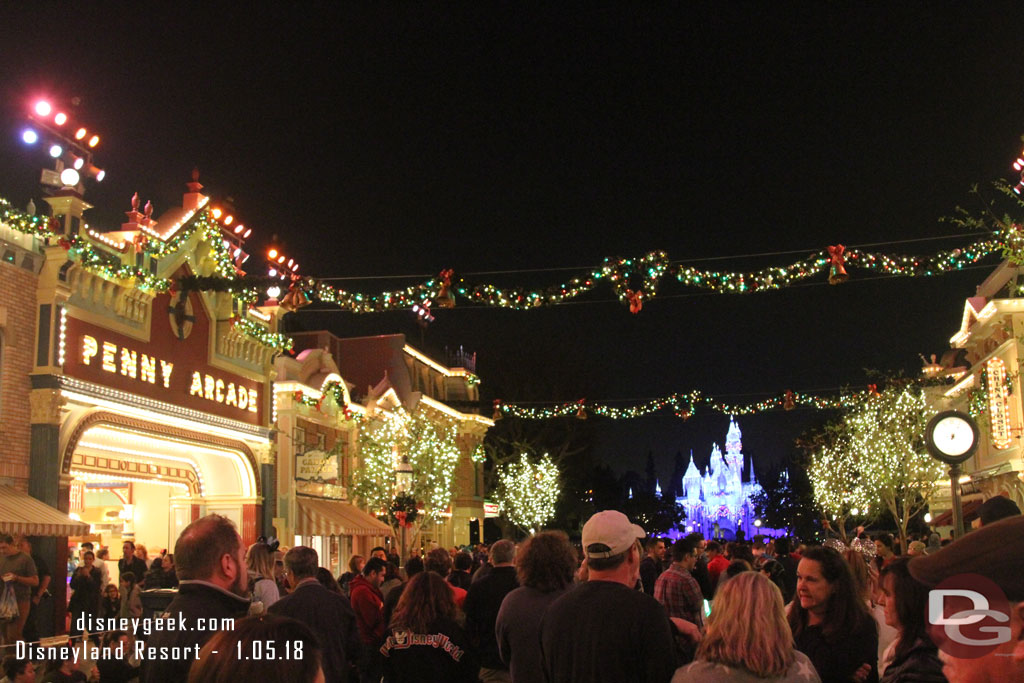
x=320 y=517
x=970 y=510
x=20 y=513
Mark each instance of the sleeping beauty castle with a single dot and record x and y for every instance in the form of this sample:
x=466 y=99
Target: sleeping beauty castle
x=718 y=501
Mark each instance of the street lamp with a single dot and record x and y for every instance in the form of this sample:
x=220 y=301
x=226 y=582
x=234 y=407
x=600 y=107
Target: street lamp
x=403 y=482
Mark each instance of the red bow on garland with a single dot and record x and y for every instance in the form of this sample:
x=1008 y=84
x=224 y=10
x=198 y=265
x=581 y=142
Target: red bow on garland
x=636 y=300
x=445 y=298
x=400 y=516
x=789 y=401
x=837 y=273
x=497 y=409
x=581 y=414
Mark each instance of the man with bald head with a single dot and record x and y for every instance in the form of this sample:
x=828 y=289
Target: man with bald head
x=213 y=587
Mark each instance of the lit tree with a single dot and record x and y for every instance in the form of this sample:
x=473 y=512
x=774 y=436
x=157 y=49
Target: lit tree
x=431 y=448
x=527 y=492
x=879 y=459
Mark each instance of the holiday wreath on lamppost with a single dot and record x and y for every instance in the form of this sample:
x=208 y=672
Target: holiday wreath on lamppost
x=403 y=510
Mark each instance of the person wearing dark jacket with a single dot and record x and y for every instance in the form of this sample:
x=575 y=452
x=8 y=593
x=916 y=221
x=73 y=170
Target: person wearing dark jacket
x=213 y=587
x=328 y=614
x=367 y=603
x=425 y=644
x=114 y=668
x=483 y=601
x=130 y=563
x=85 y=600
x=912 y=657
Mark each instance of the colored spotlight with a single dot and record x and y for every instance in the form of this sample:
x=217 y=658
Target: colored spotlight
x=94 y=140
x=56 y=151
x=81 y=133
x=43 y=108
x=100 y=175
x=29 y=136
x=272 y=254
x=60 y=119
x=228 y=219
x=79 y=163
x=216 y=214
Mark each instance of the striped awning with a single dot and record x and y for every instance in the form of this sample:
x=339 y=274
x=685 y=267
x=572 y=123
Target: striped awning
x=20 y=513
x=320 y=517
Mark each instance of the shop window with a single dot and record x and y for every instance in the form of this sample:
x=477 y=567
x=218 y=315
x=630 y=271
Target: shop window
x=321 y=442
x=299 y=440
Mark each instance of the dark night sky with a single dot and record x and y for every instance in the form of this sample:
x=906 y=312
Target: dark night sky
x=409 y=138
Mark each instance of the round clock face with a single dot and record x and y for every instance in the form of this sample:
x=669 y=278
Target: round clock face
x=952 y=437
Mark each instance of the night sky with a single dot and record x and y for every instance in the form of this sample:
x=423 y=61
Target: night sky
x=402 y=139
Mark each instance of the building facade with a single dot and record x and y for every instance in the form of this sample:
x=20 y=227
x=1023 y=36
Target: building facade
x=981 y=375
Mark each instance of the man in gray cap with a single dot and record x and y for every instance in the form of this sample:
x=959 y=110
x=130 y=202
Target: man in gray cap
x=604 y=629
x=985 y=562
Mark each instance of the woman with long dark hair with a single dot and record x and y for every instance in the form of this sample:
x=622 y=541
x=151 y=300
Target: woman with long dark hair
x=425 y=643
x=912 y=656
x=830 y=623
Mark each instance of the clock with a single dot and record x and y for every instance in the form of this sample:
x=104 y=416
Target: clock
x=952 y=437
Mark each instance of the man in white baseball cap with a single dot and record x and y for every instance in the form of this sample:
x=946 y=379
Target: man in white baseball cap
x=604 y=629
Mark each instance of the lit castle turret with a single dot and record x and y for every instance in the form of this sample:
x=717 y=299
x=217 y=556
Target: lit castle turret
x=718 y=502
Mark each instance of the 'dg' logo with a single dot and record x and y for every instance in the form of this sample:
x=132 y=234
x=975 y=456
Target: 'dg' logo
x=968 y=616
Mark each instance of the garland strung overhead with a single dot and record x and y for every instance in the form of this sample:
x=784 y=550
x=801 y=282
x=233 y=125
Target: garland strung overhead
x=684 y=405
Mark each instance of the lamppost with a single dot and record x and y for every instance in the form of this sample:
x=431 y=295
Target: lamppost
x=403 y=482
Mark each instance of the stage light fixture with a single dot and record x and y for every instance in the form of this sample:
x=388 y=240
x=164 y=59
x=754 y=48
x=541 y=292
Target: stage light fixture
x=43 y=108
x=56 y=151
x=60 y=119
x=94 y=140
x=81 y=133
x=29 y=136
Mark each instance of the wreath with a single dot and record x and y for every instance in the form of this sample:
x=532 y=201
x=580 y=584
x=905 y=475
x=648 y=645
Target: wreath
x=403 y=510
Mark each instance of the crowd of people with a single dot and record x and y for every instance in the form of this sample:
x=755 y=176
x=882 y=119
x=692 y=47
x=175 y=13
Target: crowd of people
x=623 y=607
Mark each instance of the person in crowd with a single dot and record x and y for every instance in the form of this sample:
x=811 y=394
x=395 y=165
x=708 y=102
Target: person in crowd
x=110 y=606
x=131 y=600
x=85 y=598
x=735 y=568
x=142 y=554
x=440 y=562
x=748 y=638
x=242 y=653
x=483 y=600
x=460 y=575
x=327 y=614
x=62 y=671
x=604 y=630
x=391 y=578
x=995 y=509
x=884 y=550
x=156 y=577
x=911 y=656
x=102 y=555
x=18 y=670
x=650 y=566
x=259 y=561
x=677 y=589
x=425 y=643
x=413 y=566
x=36 y=593
x=170 y=579
x=700 y=569
x=916 y=548
x=114 y=665
x=545 y=563
x=19 y=571
x=213 y=585
x=379 y=553
x=784 y=556
x=717 y=561
x=865 y=582
x=368 y=603
x=327 y=580
x=355 y=568
x=774 y=571
x=130 y=563
x=994 y=552
x=830 y=623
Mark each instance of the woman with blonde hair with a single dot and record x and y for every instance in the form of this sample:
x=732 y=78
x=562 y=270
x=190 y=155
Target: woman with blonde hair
x=260 y=561
x=748 y=637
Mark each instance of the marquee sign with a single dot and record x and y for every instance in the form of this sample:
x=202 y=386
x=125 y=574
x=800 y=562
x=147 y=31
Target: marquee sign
x=167 y=368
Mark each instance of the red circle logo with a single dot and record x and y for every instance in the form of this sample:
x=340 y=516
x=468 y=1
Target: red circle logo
x=968 y=616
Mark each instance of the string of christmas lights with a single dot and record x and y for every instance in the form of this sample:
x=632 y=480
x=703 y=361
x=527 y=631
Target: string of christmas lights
x=685 y=405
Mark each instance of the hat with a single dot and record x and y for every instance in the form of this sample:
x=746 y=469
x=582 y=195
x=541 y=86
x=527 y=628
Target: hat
x=997 y=508
x=613 y=529
x=993 y=551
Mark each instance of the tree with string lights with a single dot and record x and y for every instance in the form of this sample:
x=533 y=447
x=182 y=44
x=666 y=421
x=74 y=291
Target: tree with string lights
x=429 y=445
x=527 y=492
x=877 y=460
